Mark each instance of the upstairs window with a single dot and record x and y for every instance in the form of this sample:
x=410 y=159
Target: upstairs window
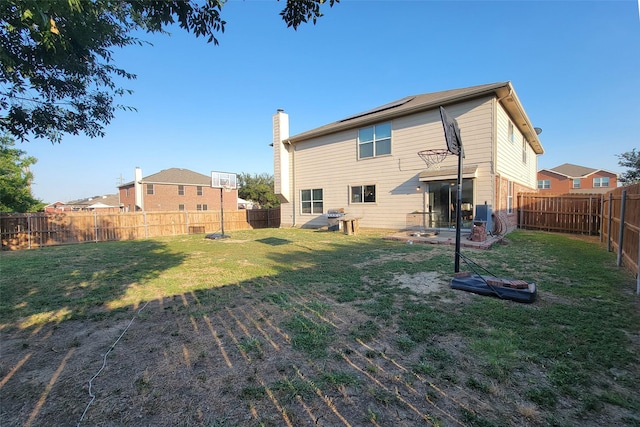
x=576 y=183
x=374 y=141
x=180 y=207
x=180 y=190
x=311 y=201
x=199 y=190
x=524 y=150
x=150 y=189
x=601 y=182
x=363 y=194
x=544 y=184
x=512 y=138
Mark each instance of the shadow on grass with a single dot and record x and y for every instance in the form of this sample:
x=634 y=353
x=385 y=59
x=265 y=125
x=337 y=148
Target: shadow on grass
x=274 y=241
x=60 y=283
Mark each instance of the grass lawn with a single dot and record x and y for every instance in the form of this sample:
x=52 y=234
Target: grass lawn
x=285 y=327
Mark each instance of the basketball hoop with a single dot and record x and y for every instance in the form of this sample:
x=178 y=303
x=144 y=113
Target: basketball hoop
x=227 y=188
x=433 y=158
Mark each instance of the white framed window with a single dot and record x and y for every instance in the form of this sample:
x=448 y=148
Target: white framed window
x=601 y=182
x=126 y=191
x=374 y=141
x=576 y=182
x=512 y=138
x=180 y=190
x=524 y=150
x=509 y=197
x=363 y=194
x=311 y=201
x=199 y=190
x=180 y=207
x=544 y=184
x=150 y=189
x=202 y=207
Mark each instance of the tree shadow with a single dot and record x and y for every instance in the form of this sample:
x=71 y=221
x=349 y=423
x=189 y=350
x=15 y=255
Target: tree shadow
x=61 y=283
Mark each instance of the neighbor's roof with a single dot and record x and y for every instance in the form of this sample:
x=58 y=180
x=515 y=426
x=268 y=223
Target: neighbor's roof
x=110 y=200
x=175 y=176
x=428 y=101
x=574 y=171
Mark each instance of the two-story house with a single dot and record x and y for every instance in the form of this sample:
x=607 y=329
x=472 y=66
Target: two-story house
x=175 y=190
x=569 y=178
x=367 y=164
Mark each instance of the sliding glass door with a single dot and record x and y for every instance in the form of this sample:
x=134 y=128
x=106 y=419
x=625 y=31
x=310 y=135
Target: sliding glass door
x=442 y=199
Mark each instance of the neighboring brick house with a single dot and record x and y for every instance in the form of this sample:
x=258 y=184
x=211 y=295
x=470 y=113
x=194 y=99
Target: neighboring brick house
x=107 y=203
x=174 y=190
x=55 y=207
x=568 y=178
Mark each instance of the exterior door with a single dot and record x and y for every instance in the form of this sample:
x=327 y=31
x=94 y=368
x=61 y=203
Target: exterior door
x=442 y=199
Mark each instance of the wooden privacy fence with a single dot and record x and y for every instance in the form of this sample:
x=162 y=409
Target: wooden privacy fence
x=615 y=216
x=621 y=225
x=32 y=230
x=569 y=213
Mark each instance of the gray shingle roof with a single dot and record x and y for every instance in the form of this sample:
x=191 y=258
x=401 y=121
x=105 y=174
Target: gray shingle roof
x=427 y=101
x=573 y=171
x=178 y=176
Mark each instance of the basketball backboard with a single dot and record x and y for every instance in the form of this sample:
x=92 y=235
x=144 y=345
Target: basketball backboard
x=223 y=180
x=451 y=133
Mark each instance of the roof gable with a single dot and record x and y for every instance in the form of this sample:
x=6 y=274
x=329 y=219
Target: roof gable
x=178 y=176
x=423 y=102
x=571 y=170
x=576 y=171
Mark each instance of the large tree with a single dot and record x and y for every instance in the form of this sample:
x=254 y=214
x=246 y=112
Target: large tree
x=15 y=179
x=57 y=73
x=258 y=188
x=630 y=160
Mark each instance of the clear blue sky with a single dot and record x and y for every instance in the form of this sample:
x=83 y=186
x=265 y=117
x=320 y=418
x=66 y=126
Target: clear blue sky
x=575 y=66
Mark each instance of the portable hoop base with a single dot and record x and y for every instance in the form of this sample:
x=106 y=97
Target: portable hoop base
x=511 y=289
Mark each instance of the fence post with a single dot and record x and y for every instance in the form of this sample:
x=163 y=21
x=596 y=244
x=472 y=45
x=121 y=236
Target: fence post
x=609 y=221
x=638 y=272
x=590 y=215
x=623 y=203
x=29 y=229
x=601 y=231
x=146 y=226
x=95 y=225
x=521 y=225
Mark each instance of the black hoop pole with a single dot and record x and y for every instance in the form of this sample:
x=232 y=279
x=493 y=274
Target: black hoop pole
x=459 y=211
x=222 y=212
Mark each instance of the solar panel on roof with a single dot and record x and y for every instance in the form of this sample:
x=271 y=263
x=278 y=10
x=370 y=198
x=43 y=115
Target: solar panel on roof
x=381 y=108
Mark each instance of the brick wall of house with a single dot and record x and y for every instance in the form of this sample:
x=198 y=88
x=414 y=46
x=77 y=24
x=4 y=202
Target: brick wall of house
x=165 y=197
x=500 y=208
x=127 y=201
x=558 y=184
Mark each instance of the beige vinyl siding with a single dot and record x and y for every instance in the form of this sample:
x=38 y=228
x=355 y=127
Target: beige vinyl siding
x=509 y=155
x=331 y=163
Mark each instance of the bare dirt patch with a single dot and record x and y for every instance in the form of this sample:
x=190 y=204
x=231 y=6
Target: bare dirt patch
x=422 y=283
